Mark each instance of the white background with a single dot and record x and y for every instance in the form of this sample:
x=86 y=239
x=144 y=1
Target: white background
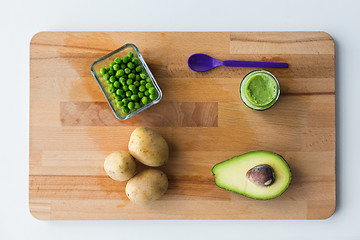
x=20 y=20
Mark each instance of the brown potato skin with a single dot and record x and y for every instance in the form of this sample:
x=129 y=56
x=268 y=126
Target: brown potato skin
x=148 y=147
x=120 y=166
x=147 y=186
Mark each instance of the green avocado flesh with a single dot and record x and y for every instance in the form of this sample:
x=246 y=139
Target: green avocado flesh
x=231 y=175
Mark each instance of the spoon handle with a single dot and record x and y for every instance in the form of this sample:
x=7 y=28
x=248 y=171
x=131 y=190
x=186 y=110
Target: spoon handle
x=231 y=63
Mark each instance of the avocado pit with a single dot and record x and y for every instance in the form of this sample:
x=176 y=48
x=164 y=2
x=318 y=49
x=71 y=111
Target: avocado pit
x=262 y=175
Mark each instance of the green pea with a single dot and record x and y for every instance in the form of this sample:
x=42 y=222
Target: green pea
x=131 y=105
x=137 y=105
x=127 y=70
x=112 y=79
x=143 y=75
x=125 y=88
x=152 y=96
x=142 y=88
x=106 y=76
x=135 y=61
x=116 y=84
x=137 y=83
x=125 y=59
x=125 y=109
x=138 y=69
x=130 y=55
x=114 y=94
x=111 y=72
x=142 y=82
x=123 y=66
x=134 y=97
x=125 y=101
x=140 y=94
x=148 y=79
x=137 y=77
x=130 y=65
x=102 y=71
x=107 y=69
x=152 y=90
x=131 y=76
x=122 y=80
x=123 y=95
x=144 y=100
x=132 y=88
x=117 y=60
x=108 y=82
x=119 y=92
x=129 y=81
x=117 y=97
x=148 y=85
x=119 y=104
x=135 y=91
x=119 y=73
x=111 y=89
x=111 y=64
x=146 y=93
x=116 y=67
x=128 y=94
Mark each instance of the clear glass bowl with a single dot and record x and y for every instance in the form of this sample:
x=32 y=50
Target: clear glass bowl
x=105 y=61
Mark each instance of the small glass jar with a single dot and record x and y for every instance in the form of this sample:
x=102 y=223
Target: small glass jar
x=259 y=90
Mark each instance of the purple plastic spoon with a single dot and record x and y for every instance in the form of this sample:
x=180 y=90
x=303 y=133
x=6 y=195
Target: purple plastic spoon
x=201 y=63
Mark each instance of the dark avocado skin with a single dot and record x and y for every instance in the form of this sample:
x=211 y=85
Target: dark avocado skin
x=252 y=197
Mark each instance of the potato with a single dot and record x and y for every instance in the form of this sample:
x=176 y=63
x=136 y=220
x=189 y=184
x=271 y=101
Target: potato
x=146 y=186
x=148 y=147
x=120 y=166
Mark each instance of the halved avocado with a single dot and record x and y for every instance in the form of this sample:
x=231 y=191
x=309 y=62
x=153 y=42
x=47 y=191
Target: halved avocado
x=258 y=175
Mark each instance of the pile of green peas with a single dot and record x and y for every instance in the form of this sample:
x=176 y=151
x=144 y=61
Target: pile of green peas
x=128 y=83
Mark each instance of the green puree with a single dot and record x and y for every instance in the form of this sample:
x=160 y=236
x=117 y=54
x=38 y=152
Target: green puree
x=260 y=89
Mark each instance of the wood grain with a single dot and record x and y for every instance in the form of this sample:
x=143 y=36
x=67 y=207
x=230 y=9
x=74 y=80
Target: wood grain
x=72 y=129
x=177 y=114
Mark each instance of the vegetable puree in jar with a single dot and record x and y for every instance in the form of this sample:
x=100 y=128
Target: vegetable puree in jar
x=259 y=90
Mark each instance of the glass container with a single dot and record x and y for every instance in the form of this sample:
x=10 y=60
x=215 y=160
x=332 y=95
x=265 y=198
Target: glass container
x=259 y=90
x=105 y=61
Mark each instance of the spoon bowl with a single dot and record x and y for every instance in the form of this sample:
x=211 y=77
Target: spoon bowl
x=201 y=62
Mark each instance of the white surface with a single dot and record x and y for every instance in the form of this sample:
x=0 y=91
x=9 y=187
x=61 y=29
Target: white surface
x=20 y=20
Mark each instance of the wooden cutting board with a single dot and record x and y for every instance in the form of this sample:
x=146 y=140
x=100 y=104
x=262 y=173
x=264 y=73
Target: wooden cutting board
x=201 y=116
